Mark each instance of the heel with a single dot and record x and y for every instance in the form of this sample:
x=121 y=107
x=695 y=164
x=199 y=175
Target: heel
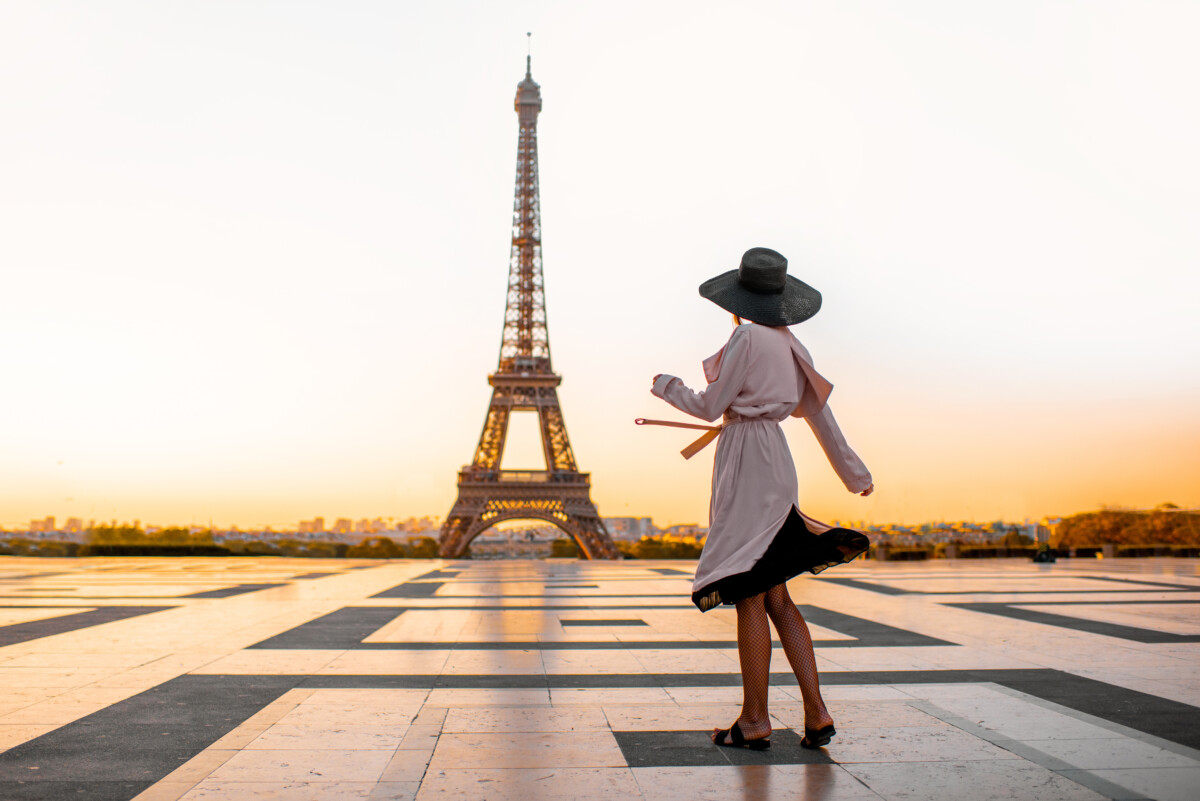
x=815 y=738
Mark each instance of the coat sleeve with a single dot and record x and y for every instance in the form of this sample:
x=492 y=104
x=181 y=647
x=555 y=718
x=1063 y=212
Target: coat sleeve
x=726 y=372
x=849 y=468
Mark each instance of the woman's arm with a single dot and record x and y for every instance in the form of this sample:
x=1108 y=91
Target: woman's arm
x=712 y=402
x=849 y=468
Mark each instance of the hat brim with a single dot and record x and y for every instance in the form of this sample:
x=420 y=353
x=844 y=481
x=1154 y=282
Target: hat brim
x=796 y=303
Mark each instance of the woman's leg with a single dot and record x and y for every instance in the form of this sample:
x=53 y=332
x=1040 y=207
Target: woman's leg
x=797 y=645
x=754 y=653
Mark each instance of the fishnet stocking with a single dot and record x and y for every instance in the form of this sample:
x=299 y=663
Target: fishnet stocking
x=754 y=653
x=797 y=646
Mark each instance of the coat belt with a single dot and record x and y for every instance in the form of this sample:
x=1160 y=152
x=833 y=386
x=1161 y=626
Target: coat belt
x=702 y=442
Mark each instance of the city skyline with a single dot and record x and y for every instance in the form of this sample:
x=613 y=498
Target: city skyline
x=255 y=258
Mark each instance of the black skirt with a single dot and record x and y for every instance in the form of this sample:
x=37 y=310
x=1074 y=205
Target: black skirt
x=795 y=550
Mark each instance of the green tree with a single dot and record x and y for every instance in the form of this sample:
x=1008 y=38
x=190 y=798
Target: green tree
x=116 y=535
x=376 y=548
x=565 y=548
x=423 y=548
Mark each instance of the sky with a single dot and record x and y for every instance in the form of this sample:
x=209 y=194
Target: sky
x=254 y=254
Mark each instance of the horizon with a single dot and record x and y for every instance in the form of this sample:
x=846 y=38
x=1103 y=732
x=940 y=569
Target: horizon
x=256 y=256
x=521 y=523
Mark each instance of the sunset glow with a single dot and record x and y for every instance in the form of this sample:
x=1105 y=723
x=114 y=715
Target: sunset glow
x=254 y=257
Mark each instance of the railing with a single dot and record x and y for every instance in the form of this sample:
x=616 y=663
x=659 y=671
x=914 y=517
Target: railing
x=525 y=476
x=479 y=476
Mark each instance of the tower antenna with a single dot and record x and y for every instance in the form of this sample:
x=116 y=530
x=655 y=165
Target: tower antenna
x=528 y=52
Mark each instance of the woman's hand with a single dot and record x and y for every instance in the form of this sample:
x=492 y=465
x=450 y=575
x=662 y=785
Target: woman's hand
x=654 y=380
x=867 y=491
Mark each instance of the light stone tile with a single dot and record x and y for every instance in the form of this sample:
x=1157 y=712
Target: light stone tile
x=545 y=784
x=508 y=719
x=488 y=697
x=13 y=616
x=51 y=712
x=421 y=738
x=1001 y=780
x=386 y=663
x=675 y=718
x=859 y=714
x=776 y=783
x=394 y=791
x=531 y=750
x=61 y=659
x=269 y=662
x=240 y=737
x=610 y=695
x=911 y=744
x=14 y=734
x=705 y=660
x=1161 y=784
x=588 y=663
x=1111 y=753
x=407 y=699
x=407 y=766
x=431 y=715
x=199 y=767
x=690 y=696
x=302 y=767
x=937 y=692
x=216 y=790
x=281 y=737
x=164 y=791
x=1020 y=720
x=348 y=715
x=494 y=663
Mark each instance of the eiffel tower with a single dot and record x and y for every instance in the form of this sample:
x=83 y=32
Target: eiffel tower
x=525 y=381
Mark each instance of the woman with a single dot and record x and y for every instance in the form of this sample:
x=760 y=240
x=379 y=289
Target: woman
x=757 y=537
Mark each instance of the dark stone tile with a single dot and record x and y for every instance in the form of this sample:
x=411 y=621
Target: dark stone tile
x=142 y=738
x=425 y=589
x=226 y=592
x=866 y=632
x=1147 y=713
x=609 y=622
x=340 y=630
x=1079 y=624
x=562 y=645
x=785 y=750
x=661 y=749
x=36 y=629
x=871 y=586
x=314 y=575
x=70 y=791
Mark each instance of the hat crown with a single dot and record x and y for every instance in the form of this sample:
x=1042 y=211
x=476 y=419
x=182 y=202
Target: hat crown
x=763 y=271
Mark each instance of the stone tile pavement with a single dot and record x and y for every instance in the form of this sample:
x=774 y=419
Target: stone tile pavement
x=169 y=679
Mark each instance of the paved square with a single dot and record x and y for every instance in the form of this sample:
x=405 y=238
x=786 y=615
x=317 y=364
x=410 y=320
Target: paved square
x=237 y=678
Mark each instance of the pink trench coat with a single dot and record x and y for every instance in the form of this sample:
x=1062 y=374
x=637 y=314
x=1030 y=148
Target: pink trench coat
x=759 y=378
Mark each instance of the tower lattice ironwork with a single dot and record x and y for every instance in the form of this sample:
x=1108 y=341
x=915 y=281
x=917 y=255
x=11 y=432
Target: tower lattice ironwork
x=525 y=381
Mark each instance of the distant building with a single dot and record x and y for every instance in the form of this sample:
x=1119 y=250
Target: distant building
x=630 y=528
x=686 y=530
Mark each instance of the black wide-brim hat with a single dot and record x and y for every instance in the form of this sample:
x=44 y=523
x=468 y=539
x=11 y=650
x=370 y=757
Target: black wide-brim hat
x=760 y=290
